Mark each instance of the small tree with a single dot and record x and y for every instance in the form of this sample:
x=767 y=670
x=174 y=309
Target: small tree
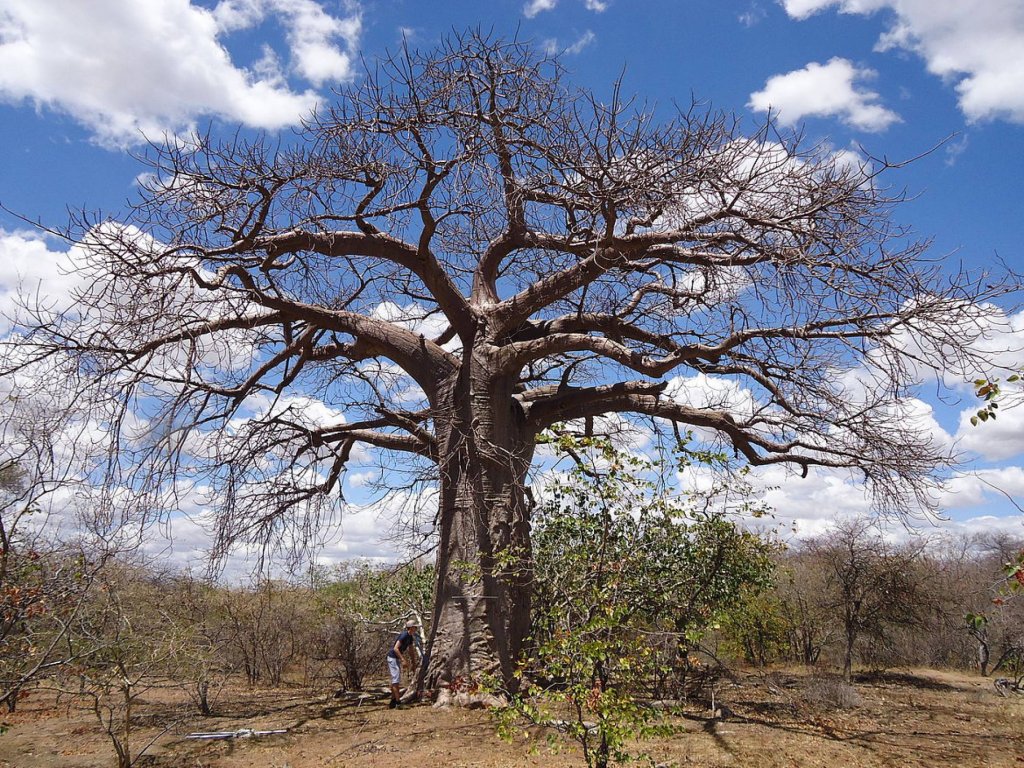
x=810 y=627
x=122 y=648
x=44 y=581
x=361 y=606
x=622 y=570
x=869 y=583
x=756 y=627
x=198 y=641
x=42 y=594
x=999 y=626
x=269 y=626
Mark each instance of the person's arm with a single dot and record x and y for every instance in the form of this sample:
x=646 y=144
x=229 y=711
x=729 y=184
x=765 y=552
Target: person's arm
x=405 y=660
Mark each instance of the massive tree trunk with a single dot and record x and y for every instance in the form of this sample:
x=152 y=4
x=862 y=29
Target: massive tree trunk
x=482 y=598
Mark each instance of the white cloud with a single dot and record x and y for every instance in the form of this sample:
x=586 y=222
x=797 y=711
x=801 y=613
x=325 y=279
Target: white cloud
x=954 y=149
x=535 y=7
x=184 y=540
x=413 y=316
x=985 y=342
x=999 y=438
x=30 y=270
x=232 y=15
x=972 y=489
x=852 y=161
x=753 y=16
x=795 y=505
x=584 y=40
x=124 y=68
x=362 y=479
x=977 y=46
x=712 y=392
x=987 y=524
x=812 y=504
x=551 y=45
x=801 y=9
x=312 y=36
x=299 y=409
x=918 y=418
x=824 y=90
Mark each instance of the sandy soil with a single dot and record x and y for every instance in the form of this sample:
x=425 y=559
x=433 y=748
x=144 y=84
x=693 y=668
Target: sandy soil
x=918 y=718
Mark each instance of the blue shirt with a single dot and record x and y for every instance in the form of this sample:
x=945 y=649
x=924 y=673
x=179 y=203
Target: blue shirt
x=404 y=640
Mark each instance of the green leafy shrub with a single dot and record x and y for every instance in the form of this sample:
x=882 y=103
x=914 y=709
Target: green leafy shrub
x=627 y=578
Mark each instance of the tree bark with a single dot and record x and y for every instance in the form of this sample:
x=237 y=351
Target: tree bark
x=851 y=639
x=482 y=598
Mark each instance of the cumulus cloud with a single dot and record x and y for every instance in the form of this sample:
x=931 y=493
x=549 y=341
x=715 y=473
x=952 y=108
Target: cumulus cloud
x=183 y=541
x=999 y=438
x=832 y=89
x=972 y=489
x=918 y=417
x=126 y=69
x=413 y=316
x=977 y=46
x=798 y=505
x=312 y=37
x=91 y=285
x=29 y=269
x=810 y=505
x=992 y=338
x=986 y=525
x=712 y=392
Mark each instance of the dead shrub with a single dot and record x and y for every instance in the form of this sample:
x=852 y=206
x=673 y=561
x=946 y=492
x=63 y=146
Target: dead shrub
x=830 y=693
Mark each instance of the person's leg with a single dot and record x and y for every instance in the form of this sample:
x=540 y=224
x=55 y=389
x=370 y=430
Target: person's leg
x=396 y=678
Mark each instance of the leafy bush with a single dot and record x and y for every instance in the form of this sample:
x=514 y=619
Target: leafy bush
x=623 y=572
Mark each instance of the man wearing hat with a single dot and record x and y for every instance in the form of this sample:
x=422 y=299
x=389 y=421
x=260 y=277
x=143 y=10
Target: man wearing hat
x=402 y=654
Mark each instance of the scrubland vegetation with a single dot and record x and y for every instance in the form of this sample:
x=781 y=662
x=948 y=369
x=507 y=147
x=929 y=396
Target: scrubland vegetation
x=645 y=606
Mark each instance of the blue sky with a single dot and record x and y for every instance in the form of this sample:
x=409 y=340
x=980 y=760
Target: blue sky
x=82 y=84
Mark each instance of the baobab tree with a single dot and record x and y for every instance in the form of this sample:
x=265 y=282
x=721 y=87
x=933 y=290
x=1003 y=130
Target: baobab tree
x=463 y=251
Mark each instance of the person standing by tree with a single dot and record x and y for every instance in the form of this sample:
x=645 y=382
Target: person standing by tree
x=403 y=653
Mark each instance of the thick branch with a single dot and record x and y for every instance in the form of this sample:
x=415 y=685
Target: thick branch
x=417 y=260
x=387 y=440
x=645 y=398
x=419 y=357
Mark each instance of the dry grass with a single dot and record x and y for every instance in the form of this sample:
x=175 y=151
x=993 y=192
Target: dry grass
x=827 y=693
x=788 y=718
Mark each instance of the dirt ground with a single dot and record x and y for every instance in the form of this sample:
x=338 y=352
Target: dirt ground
x=911 y=718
